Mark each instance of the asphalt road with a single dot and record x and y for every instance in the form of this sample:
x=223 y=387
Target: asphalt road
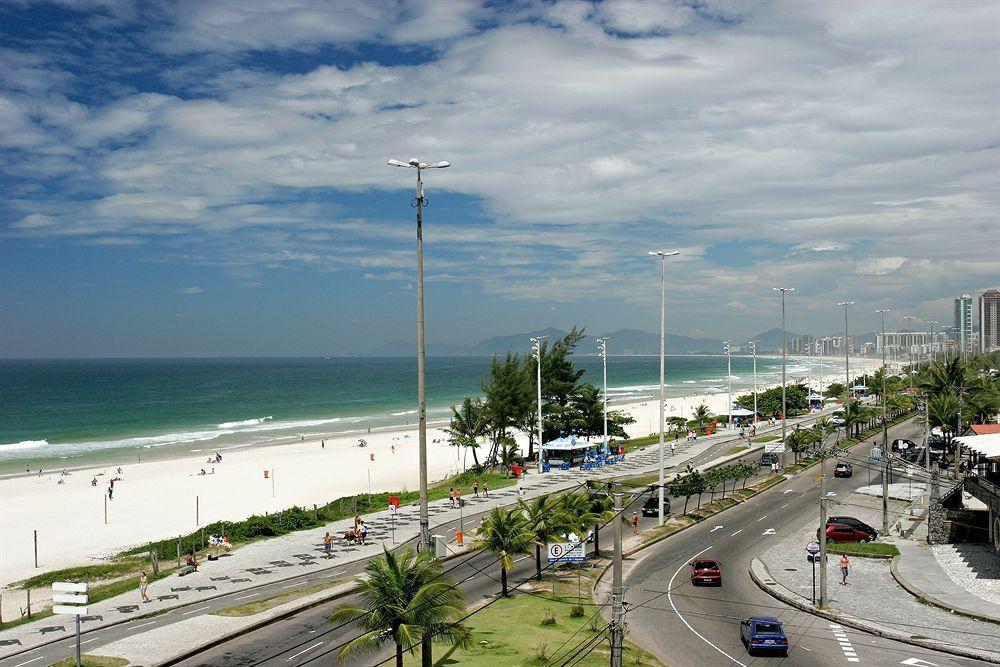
x=698 y=626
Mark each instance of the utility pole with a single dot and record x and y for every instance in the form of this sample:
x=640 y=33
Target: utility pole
x=885 y=492
x=927 y=432
x=784 y=349
x=602 y=346
x=727 y=348
x=822 y=529
x=909 y=375
x=753 y=351
x=617 y=593
x=536 y=349
x=662 y=254
x=885 y=426
x=847 y=356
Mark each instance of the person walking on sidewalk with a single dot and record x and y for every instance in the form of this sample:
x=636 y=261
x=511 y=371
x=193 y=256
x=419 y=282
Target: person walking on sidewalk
x=845 y=565
x=475 y=488
x=328 y=545
x=673 y=449
x=486 y=490
x=143 y=585
x=635 y=523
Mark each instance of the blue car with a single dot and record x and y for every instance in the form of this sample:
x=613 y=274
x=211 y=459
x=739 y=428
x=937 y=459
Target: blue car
x=763 y=634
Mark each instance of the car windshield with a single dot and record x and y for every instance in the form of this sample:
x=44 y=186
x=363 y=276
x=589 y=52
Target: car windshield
x=768 y=628
x=705 y=565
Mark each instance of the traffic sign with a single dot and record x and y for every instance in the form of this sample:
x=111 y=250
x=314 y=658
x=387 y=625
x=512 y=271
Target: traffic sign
x=813 y=548
x=69 y=587
x=69 y=598
x=72 y=610
x=70 y=593
x=392 y=509
x=776 y=447
x=566 y=552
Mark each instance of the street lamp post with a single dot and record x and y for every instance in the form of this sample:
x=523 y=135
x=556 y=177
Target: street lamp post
x=536 y=350
x=602 y=347
x=784 y=350
x=885 y=428
x=847 y=356
x=932 y=350
x=662 y=254
x=419 y=202
x=727 y=348
x=753 y=352
x=909 y=375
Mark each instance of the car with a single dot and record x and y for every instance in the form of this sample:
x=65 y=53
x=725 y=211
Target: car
x=913 y=455
x=763 y=634
x=706 y=571
x=841 y=533
x=768 y=458
x=843 y=470
x=837 y=419
x=857 y=524
x=649 y=507
x=902 y=444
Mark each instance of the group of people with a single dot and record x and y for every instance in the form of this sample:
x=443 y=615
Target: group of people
x=455 y=493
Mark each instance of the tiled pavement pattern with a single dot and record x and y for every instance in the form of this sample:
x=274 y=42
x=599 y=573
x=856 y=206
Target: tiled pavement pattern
x=283 y=557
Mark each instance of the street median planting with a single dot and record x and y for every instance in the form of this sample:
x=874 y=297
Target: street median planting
x=867 y=550
x=257 y=606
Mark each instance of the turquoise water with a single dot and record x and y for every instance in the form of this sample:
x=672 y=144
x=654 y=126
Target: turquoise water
x=73 y=412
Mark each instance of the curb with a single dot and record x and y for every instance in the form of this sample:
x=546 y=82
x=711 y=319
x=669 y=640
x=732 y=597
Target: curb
x=760 y=575
x=917 y=593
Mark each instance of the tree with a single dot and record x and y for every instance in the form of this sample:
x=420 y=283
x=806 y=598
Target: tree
x=855 y=416
x=769 y=401
x=747 y=470
x=546 y=520
x=406 y=600
x=505 y=532
x=701 y=415
x=942 y=412
x=578 y=513
x=677 y=423
x=600 y=507
x=689 y=484
x=834 y=389
x=467 y=424
x=507 y=398
x=800 y=440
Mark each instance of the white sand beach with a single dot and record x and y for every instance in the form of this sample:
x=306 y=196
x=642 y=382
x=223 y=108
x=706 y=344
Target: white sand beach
x=157 y=500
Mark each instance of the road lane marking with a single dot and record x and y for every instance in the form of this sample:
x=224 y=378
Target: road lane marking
x=783 y=506
x=762 y=518
x=90 y=640
x=244 y=597
x=844 y=643
x=670 y=598
x=304 y=651
x=195 y=611
x=769 y=531
x=788 y=491
x=291 y=585
x=32 y=660
x=142 y=625
x=715 y=529
x=736 y=533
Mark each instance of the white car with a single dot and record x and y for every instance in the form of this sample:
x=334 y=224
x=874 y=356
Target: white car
x=838 y=419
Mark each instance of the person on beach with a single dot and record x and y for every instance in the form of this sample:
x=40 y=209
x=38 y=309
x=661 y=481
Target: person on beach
x=322 y=444
x=673 y=449
x=475 y=488
x=845 y=565
x=328 y=545
x=520 y=490
x=392 y=448
x=635 y=523
x=111 y=492
x=143 y=585
x=458 y=496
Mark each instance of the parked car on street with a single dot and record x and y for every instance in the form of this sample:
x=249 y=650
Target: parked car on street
x=649 y=507
x=763 y=634
x=898 y=445
x=857 y=524
x=843 y=470
x=767 y=458
x=706 y=571
x=837 y=419
x=841 y=533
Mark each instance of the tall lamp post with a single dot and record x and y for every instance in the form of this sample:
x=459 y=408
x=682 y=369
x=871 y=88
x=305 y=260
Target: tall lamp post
x=784 y=350
x=662 y=254
x=910 y=319
x=727 y=348
x=932 y=350
x=753 y=352
x=536 y=350
x=602 y=348
x=885 y=426
x=419 y=202
x=847 y=356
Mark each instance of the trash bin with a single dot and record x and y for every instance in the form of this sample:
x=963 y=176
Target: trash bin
x=458 y=537
x=440 y=546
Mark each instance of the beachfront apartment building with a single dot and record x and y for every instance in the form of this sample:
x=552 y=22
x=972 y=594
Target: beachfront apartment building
x=916 y=343
x=963 y=323
x=832 y=346
x=989 y=318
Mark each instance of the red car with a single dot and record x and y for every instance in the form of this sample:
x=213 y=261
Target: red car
x=706 y=571
x=840 y=533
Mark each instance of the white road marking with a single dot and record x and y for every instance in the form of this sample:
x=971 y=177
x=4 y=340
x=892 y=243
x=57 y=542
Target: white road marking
x=142 y=625
x=303 y=651
x=783 y=506
x=788 y=491
x=762 y=518
x=670 y=598
x=90 y=640
x=844 y=643
x=917 y=662
x=244 y=597
x=290 y=586
x=715 y=529
x=736 y=533
x=769 y=531
x=332 y=574
x=195 y=611
x=32 y=660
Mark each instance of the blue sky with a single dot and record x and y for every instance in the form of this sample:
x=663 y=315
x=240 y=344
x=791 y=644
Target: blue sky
x=209 y=178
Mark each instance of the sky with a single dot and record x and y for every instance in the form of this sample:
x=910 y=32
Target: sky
x=209 y=177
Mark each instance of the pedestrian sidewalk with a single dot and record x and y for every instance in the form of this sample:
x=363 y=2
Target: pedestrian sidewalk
x=280 y=558
x=919 y=572
x=873 y=601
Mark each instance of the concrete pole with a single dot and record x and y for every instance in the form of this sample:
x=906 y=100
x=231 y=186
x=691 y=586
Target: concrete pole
x=885 y=492
x=617 y=592
x=425 y=526
x=822 y=530
x=663 y=322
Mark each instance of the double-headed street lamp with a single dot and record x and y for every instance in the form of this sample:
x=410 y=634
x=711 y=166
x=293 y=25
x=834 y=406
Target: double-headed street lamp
x=753 y=351
x=419 y=202
x=932 y=350
x=784 y=351
x=910 y=319
x=536 y=351
x=662 y=254
x=728 y=349
x=602 y=348
x=847 y=355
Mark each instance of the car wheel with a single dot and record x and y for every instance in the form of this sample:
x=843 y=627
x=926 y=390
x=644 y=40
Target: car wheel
x=863 y=540
x=830 y=540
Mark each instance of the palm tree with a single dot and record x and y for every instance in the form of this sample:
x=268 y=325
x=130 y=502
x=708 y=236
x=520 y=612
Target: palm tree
x=945 y=376
x=467 y=424
x=506 y=533
x=404 y=600
x=546 y=520
x=800 y=439
x=824 y=428
x=855 y=415
x=942 y=412
x=578 y=513
x=701 y=415
x=601 y=507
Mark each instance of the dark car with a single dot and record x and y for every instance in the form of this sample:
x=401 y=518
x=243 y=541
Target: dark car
x=768 y=458
x=763 y=634
x=649 y=507
x=706 y=571
x=913 y=455
x=898 y=444
x=841 y=533
x=857 y=524
x=843 y=470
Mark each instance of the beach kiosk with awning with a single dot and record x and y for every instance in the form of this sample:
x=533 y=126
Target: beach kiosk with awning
x=815 y=401
x=567 y=448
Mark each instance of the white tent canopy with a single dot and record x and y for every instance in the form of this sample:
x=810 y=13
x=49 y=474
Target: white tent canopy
x=740 y=412
x=987 y=445
x=570 y=444
x=814 y=397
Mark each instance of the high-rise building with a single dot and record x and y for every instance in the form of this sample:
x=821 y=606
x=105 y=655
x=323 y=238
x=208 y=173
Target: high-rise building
x=963 y=324
x=989 y=318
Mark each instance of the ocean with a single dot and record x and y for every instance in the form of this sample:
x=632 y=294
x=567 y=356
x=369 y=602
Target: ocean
x=68 y=413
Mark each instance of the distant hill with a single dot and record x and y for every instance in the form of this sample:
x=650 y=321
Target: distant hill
x=626 y=341
x=770 y=340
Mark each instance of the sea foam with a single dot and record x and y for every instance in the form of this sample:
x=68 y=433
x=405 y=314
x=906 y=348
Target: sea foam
x=245 y=422
x=24 y=444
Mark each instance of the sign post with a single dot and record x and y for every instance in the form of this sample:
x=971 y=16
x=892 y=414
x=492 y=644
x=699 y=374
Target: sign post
x=567 y=552
x=813 y=549
x=72 y=600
